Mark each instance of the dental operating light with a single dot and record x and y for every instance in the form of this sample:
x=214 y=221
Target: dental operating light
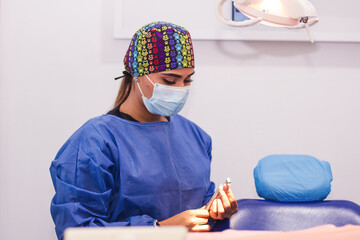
x=290 y=14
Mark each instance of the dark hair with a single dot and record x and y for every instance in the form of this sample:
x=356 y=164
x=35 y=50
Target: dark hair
x=124 y=90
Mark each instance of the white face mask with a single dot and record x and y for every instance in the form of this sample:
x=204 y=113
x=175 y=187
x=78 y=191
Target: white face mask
x=165 y=100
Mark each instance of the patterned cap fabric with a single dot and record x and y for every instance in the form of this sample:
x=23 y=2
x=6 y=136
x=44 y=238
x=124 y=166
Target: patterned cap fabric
x=157 y=47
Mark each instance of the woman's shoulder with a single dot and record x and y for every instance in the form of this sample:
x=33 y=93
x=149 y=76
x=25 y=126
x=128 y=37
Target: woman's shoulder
x=95 y=131
x=96 y=127
x=192 y=126
x=93 y=124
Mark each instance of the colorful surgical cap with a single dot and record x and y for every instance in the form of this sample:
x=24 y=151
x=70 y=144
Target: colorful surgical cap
x=157 y=47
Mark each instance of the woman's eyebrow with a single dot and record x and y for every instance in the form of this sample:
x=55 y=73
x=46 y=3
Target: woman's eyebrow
x=177 y=75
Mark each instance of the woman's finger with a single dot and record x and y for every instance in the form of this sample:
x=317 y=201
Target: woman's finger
x=213 y=210
x=200 y=221
x=220 y=209
x=201 y=213
x=224 y=200
x=232 y=199
x=200 y=228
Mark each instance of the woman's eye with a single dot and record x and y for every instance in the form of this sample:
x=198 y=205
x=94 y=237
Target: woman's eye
x=169 y=82
x=188 y=81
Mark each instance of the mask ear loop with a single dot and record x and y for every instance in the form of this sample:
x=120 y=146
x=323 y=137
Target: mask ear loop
x=149 y=79
x=136 y=80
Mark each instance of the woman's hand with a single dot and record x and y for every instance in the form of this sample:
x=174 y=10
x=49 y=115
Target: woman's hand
x=225 y=205
x=195 y=220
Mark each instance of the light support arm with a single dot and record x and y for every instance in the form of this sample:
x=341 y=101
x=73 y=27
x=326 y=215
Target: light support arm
x=246 y=23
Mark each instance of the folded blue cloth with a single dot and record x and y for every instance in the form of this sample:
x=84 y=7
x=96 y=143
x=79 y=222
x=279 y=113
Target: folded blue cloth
x=292 y=178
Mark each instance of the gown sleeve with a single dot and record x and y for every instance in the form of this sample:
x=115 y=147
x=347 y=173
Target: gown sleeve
x=83 y=174
x=211 y=188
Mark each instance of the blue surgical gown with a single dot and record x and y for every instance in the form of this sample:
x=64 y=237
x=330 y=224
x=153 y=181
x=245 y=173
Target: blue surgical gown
x=116 y=172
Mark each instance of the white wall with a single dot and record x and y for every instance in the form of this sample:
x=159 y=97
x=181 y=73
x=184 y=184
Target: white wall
x=57 y=63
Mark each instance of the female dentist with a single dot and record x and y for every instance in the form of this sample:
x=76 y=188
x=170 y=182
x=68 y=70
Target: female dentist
x=141 y=163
